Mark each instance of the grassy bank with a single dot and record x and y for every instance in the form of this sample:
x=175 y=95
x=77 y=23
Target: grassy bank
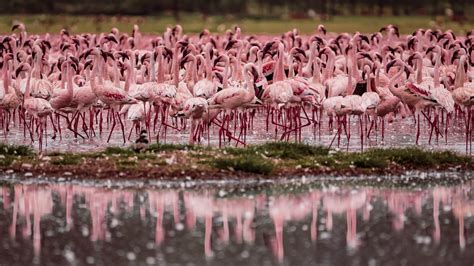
x=194 y=23
x=272 y=160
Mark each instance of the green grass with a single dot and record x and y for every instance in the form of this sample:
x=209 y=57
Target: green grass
x=67 y=159
x=417 y=157
x=285 y=150
x=249 y=164
x=153 y=148
x=193 y=23
x=364 y=161
x=6 y=160
x=20 y=150
x=264 y=159
x=118 y=151
x=281 y=150
x=159 y=147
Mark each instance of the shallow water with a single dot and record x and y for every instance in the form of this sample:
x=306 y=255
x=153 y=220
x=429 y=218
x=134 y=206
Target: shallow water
x=400 y=133
x=295 y=223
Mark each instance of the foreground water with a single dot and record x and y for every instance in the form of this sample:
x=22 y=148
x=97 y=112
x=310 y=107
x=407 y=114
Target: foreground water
x=297 y=223
x=400 y=133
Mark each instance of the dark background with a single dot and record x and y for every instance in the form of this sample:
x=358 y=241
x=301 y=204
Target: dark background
x=243 y=8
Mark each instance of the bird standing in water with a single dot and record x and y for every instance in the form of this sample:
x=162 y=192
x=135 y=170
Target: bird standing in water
x=142 y=142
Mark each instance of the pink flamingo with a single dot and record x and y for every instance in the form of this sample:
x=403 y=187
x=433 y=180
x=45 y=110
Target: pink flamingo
x=463 y=95
x=38 y=108
x=109 y=94
x=83 y=98
x=206 y=87
x=9 y=101
x=418 y=97
x=195 y=108
x=232 y=98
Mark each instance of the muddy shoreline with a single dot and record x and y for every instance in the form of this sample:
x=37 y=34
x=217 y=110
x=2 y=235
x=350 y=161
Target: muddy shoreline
x=269 y=161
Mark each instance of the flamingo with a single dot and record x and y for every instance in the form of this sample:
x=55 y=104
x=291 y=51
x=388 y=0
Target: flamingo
x=9 y=100
x=206 y=87
x=38 y=108
x=109 y=94
x=232 y=98
x=463 y=95
x=195 y=108
x=418 y=97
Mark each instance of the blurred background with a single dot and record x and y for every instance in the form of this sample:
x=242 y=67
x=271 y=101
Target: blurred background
x=254 y=16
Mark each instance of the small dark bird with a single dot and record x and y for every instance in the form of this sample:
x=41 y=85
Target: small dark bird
x=142 y=142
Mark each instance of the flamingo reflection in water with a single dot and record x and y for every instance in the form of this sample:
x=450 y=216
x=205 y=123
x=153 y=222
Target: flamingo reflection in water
x=30 y=204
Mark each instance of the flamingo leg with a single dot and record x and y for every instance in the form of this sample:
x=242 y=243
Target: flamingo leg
x=361 y=134
x=121 y=126
x=418 y=129
x=112 y=129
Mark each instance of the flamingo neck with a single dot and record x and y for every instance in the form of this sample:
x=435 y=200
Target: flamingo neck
x=225 y=82
x=208 y=64
x=6 y=80
x=152 y=74
x=134 y=70
x=349 y=89
x=330 y=65
x=27 y=88
x=70 y=87
x=175 y=67
x=377 y=76
x=238 y=65
x=161 y=74
x=459 y=81
x=260 y=65
x=279 y=74
x=419 y=71
x=395 y=78
x=129 y=79
x=250 y=88
x=63 y=78
x=116 y=74
x=36 y=67
x=191 y=74
x=312 y=53
x=316 y=72
x=15 y=60
x=94 y=73
x=436 y=70
x=369 y=82
x=291 y=68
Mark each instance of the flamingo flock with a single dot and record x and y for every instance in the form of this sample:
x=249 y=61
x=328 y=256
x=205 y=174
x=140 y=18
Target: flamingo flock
x=93 y=85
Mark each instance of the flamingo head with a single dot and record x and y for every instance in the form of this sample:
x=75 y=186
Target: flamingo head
x=23 y=67
x=20 y=26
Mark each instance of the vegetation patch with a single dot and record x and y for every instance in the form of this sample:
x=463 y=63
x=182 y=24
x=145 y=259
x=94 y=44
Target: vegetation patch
x=67 y=159
x=20 y=150
x=367 y=161
x=159 y=147
x=250 y=164
x=285 y=150
x=414 y=156
x=6 y=160
x=273 y=158
x=118 y=151
x=281 y=150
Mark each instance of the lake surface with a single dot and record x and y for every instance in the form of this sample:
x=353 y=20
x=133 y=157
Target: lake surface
x=318 y=222
x=400 y=133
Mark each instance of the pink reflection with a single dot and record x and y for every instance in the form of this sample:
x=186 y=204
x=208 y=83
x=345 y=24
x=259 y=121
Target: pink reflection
x=231 y=218
x=347 y=202
x=315 y=200
x=437 y=230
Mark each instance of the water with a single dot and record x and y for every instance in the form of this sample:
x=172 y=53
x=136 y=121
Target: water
x=302 y=222
x=400 y=133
